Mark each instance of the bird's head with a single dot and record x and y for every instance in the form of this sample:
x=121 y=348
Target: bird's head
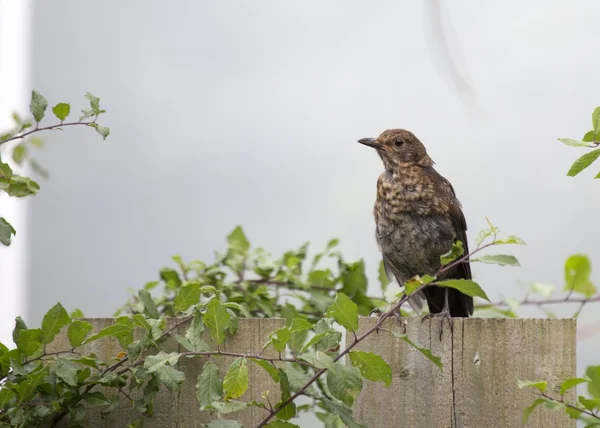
x=399 y=148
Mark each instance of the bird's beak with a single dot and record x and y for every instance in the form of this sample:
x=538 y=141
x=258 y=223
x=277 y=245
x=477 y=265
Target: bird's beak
x=371 y=142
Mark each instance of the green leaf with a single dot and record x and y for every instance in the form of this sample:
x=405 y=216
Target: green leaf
x=102 y=130
x=209 y=387
x=344 y=311
x=155 y=362
x=455 y=252
x=540 y=385
x=229 y=406
x=187 y=296
x=27 y=388
x=529 y=410
x=278 y=339
x=509 y=240
x=382 y=276
x=314 y=340
x=577 y=275
x=216 y=319
x=593 y=372
x=583 y=162
x=423 y=350
x=571 y=382
x=110 y=331
x=465 y=286
x=485 y=233
x=97 y=398
x=372 y=366
x=6 y=395
x=77 y=313
x=596 y=120
x=321 y=278
x=55 y=319
x=237 y=241
x=170 y=377
x=61 y=110
x=300 y=324
x=149 y=304
x=67 y=371
x=235 y=382
x=171 y=278
x=223 y=423
x=94 y=103
x=545 y=290
x=289 y=411
x=589 y=136
x=590 y=403
x=29 y=341
x=345 y=384
x=19 y=186
x=19 y=153
x=195 y=334
x=268 y=367
x=78 y=331
x=318 y=359
x=6 y=231
x=576 y=143
x=37 y=106
x=498 y=259
x=237 y=307
x=344 y=412
x=281 y=424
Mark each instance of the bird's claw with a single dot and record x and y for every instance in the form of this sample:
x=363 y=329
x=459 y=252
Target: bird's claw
x=444 y=314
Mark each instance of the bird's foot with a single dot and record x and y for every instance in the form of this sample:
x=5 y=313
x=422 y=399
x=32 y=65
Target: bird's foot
x=378 y=313
x=444 y=314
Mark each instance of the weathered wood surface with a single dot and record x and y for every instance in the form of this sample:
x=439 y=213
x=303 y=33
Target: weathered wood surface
x=483 y=360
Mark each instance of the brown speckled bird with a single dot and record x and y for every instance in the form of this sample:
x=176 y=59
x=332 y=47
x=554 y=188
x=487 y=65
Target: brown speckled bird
x=418 y=218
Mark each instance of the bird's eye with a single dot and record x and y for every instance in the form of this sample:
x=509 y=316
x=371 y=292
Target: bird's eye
x=398 y=142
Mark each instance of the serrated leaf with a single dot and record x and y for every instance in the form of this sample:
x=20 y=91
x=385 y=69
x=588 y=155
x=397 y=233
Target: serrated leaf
x=237 y=241
x=170 y=377
x=6 y=395
x=37 y=106
x=110 y=331
x=583 y=162
x=345 y=384
x=97 y=398
x=19 y=186
x=209 y=386
x=318 y=359
x=455 y=252
x=289 y=411
x=61 y=110
x=149 y=304
x=187 y=296
x=6 y=232
x=372 y=366
x=529 y=410
x=498 y=259
x=300 y=324
x=27 y=388
x=78 y=331
x=235 y=382
x=540 y=385
x=102 y=130
x=195 y=334
x=509 y=240
x=596 y=120
x=217 y=320
x=465 y=286
x=94 y=102
x=278 y=339
x=344 y=311
x=423 y=350
x=589 y=136
x=67 y=371
x=571 y=382
x=29 y=341
x=576 y=143
x=155 y=362
x=578 y=269
x=55 y=319
x=269 y=368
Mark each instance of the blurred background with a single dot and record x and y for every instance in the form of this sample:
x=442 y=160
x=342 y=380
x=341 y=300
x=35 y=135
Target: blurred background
x=226 y=113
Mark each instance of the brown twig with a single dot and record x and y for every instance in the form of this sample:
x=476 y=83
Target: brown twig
x=46 y=128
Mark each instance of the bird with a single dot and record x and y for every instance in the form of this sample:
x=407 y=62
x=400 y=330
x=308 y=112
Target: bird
x=418 y=218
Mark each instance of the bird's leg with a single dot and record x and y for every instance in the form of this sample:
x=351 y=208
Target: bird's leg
x=445 y=313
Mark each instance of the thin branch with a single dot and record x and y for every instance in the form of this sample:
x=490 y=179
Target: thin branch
x=46 y=128
x=570 y=406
